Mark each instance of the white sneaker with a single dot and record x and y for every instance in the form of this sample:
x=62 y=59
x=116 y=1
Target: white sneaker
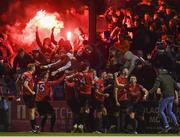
x=81 y=128
x=97 y=132
x=75 y=126
x=36 y=128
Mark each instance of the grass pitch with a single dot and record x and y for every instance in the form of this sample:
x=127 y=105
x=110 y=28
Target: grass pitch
x=60 y=134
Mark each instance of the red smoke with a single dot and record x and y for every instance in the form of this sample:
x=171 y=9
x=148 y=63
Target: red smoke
x=23 y=17
x=44 y=21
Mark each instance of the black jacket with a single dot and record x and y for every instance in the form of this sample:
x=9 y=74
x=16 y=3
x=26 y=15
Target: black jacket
x=166 y=83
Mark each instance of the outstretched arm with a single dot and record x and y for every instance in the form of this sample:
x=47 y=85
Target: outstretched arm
x=155 y=86
x=60 y=79
x=65 y=67
x=60 y=62
x=49 y=66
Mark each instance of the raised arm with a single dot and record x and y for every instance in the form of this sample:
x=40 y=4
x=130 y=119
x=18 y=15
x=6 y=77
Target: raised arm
x=52 y=37
x=15 y=63
x=38 y=39
x=106 y=14
x=114 y=32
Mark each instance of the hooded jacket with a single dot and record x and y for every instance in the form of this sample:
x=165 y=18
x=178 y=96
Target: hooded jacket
x=166 y=83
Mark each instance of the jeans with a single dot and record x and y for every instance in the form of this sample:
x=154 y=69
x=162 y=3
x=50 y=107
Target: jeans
x=167 y=102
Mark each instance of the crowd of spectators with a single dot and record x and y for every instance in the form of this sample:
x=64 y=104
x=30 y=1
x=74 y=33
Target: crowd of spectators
x=134 y=45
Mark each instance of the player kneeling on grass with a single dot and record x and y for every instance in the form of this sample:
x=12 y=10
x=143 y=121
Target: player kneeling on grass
x=42 y=100
x=100 y=110
x=28 y=95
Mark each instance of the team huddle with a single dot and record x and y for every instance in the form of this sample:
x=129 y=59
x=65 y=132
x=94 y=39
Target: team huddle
x=100 y=100
x=90 y=97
